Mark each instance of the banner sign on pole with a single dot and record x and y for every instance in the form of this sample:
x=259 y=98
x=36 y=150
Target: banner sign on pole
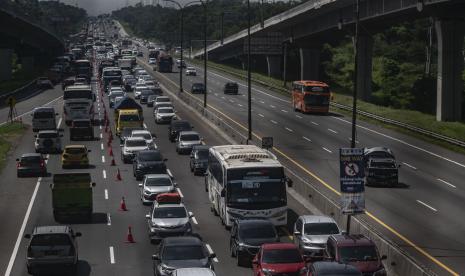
x=352 y=176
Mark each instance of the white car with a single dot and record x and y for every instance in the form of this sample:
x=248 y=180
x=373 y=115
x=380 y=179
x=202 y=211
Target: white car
x=48 y=141
x=152 y=61
x=145 y=77
x=113 y=95
x=164 y=115
x=146 y=135
x=131 y=146
x=138 y=90
x=44 y=82
x=190 y=71
x=151 y=84
x=186 y=140
x=155 y=184
x=159 y=100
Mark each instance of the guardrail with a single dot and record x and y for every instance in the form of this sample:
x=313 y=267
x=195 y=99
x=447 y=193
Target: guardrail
x=21 y=93
x=419 y=130
x=399 y=262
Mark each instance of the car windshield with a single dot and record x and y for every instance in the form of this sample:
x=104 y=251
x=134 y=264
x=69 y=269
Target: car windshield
x=136 y=143
x=156 y=182
x=150 y=156
x=190 y=137
x=30 y=160
x=183 y=252
x=43 y=115
x=81 y=124
x=358 y=253
x=328 y=228
x=169 y=212
x=51 y=240
x=48 y=135
x=261 y=231
x=130 y=118
x=146 y=136
x=165 y=110
x=74 y=150
x=162 y=100
x=281 y=256
x=382 y=164
x=202 y=154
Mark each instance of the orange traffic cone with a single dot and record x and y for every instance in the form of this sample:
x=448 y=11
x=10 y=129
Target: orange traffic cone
x=122 y=205
x=110 y=152
x=118 y=176
x=130 y=237
x=113 y=163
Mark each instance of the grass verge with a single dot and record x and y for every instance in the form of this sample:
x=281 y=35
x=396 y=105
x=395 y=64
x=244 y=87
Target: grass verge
x=9 y=133
x=454 y=130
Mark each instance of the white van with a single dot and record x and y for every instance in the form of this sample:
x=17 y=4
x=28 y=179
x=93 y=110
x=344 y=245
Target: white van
x=43 y=118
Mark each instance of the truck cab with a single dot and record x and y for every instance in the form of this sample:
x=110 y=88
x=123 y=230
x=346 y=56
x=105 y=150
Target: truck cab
x=128 y=118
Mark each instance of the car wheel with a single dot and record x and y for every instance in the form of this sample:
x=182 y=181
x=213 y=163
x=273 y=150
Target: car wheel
x=239 y=259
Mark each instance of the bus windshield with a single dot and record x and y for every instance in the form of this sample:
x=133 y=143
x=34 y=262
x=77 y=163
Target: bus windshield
x=77 y=94
x=316 y=89
x=264 y=186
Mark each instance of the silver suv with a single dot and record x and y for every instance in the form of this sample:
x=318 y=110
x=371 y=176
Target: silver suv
x=131 y=146
x=311 y=233
x=52 y=248
x=167 y=220
x=186 y=140
x=48 y=141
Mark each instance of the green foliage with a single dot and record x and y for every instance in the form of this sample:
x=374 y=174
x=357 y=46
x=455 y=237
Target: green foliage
x=8 y=133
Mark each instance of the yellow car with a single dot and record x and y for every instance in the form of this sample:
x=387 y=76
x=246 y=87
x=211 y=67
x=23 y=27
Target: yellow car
x=75 y=156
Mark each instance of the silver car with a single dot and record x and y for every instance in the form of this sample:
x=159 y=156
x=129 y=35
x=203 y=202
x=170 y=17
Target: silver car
x=194 y=271
x=164 y=114
x=167 y=220
x=52 y=248
x=186 y=140
x=48 y=141
x=311 y=233
x=131 y=146
x=155 y=184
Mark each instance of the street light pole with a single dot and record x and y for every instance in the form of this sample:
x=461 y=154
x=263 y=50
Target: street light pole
x=205 y=53
x=249 y=78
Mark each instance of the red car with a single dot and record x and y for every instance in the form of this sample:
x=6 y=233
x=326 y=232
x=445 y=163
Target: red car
x=278 y=259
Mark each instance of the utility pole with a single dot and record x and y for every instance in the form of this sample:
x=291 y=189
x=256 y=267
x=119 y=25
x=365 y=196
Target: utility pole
x=249 y=77
x=205 y=55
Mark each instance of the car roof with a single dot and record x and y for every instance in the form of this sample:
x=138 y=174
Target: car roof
x=135 y=139
x=163 y=97
x=32 y=154
x=194 y=271
x=44 y=109
x=165 y=107
x=173 y=241
x=159 y=175
x=167 y=205
x=81 y=120
x=316 y=219
x=55 y=229
x=75 y=147
x=190 y=132
x=279 y=245
x=352 y=240
x=253 y=221
x=48 y=131
x=334 y=268
x=138 y=131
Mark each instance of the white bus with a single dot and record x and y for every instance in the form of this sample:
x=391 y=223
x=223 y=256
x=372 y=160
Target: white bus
x=245 y=181
x=78 y=103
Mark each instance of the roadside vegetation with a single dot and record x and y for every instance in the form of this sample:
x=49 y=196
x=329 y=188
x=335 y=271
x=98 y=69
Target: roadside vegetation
x=8 y=134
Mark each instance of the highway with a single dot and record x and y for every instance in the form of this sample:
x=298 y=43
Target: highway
x=426 y=206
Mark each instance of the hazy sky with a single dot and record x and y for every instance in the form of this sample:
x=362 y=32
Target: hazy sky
x=96 y=7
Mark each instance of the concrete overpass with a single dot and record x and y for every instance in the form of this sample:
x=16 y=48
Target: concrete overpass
x=31 y=42
x=315 y=22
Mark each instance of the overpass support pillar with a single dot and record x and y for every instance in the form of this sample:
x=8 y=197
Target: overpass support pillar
x=450 y=34
x=6 y=59
x=365 y=67
x=309 y=63
x=274 y=66
x=27 y=64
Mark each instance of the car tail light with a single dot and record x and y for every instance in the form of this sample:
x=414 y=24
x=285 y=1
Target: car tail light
x=42 y=163
x=18 y=164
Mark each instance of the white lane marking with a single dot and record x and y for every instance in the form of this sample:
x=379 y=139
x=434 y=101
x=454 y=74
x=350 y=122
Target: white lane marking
x=101 y=135
x=288 y=129
x=298 y=116
x=101 y=146
x=23 y=227
x=261 y=115
x=25 y=113
x=145 y=126
x=410 y=166
x=231 y=101
x=308 y=139
x=356 y=141
x=272 y=106
x=216 y=94
x=253 y=98
x=194 y=220
x=103 y=159
x=331 y=130
x=262 y=102
x=223 y=98
x=326 y=149
x=447 y=183
x=240 y=105
x=59 y=122
x=104 y=172
x=210 y=250
x=314 y=123
x=405 y=143
x=427 y=206
x=108 y=219
x=112 y=255
x=180 y=193
x=100 y=127
x=106 y=194
x=274 y=122
x=285 y=111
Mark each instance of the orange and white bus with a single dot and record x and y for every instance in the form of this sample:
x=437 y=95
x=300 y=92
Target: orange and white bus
x=310 y=96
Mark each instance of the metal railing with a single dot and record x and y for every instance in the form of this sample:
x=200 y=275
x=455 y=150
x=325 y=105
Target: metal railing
x=21 y=93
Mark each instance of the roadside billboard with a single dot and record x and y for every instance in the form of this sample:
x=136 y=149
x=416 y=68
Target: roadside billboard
x=352 y=180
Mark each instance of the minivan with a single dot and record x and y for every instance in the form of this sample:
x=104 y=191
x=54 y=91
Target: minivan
x=43 y=118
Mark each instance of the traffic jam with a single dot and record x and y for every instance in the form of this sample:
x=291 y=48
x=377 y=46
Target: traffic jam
x=103 y=103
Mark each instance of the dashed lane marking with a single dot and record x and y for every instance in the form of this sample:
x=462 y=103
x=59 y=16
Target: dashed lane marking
x=210 y=250
x=101 y=146
x=288 y=129
x=331 y=130
x=103 y=159
x=314 y=123
x=285 y=111
x=427 y=206
x=104 y=172
x=327 y=150
x=108 y=219
x=308 y=139
x=274 y=122
x=298 y=116
x=112 y=255
x=261 y=115
x=410 y=166
x=447 y=183
x=106 y=194
x=180 y=193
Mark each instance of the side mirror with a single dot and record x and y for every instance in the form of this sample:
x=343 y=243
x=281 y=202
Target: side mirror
x=121 y=145
x=166 y=159
x=89 y=150
x=191 y=215
x=297 y=233
x=61 y=135
x=289 y=182
x=155 y=257
x=223 y=193
x=384 y=257
x=27 y=236
x=56 y=114
x=93 y=184
x=255 y=261
x=147 y=216
x=399 y=165
x=212 y=255
x=17 y=159
x=78 y=234
x=35 y=136
x=140 y=185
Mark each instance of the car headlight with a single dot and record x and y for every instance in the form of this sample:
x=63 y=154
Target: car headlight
x=166 y=269
x=267 y=271
x=147 y=192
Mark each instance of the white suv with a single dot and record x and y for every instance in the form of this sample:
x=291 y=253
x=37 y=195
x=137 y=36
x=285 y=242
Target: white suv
x=48 y=141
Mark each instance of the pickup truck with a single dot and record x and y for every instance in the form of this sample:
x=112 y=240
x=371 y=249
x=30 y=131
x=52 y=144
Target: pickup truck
x=381 y=168
x=72 y=196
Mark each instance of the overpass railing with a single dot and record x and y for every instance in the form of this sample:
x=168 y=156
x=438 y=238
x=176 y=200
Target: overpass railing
x=21 y=93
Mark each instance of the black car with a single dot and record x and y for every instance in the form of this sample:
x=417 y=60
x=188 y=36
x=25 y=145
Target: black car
x=127 y=131
x=81 y=129
x=148 y=162
x=381 y=167
x=198 y=88
x=177 y=126
x=199 y=159
x=31 y=164
x=247 y=236
x=181 y=252
x=332 y=268
x=231 y=88
x=144 y=95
